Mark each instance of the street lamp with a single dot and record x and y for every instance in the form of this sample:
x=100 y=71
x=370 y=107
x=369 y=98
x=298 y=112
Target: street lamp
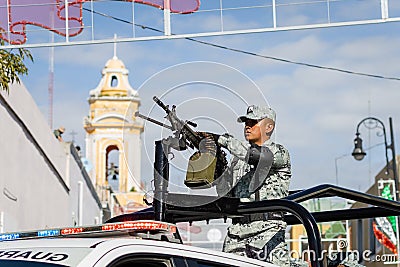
x=359 y=153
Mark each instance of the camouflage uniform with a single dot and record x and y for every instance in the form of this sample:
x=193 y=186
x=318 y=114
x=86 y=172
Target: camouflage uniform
x=260 y=239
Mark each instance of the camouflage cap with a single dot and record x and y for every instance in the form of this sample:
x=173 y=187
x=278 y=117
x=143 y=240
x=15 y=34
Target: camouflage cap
x=258 y=113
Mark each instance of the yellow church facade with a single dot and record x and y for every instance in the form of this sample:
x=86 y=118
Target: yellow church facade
x=113 y=138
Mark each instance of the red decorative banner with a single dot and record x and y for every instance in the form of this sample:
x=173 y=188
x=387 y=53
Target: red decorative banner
x=51 y=15
x=48 y=14
x=176 y=6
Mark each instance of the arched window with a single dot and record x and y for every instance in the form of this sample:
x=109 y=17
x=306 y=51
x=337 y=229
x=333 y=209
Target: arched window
x=114 y=81
x=112 y=163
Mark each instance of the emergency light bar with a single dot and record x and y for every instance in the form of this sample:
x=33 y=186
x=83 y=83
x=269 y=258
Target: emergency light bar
x=135 y=226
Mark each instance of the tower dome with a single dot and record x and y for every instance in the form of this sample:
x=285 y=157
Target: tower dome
x=114 y=63
x=114 y=81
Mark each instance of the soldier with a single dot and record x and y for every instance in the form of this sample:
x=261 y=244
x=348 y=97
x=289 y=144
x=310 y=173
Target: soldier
x=260 y=169
x=58 y=133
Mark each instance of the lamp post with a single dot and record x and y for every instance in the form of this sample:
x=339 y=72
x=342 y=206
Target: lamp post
x=359 y=154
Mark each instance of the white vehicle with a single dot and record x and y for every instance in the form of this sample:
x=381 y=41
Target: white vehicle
x=137 y=243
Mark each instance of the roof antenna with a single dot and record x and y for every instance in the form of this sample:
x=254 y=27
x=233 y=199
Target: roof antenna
x=115 y=46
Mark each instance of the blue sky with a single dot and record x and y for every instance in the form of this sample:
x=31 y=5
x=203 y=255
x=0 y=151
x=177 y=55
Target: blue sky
x=317 y=109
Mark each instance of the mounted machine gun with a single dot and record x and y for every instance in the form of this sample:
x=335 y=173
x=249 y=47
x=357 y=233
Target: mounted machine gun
x=208 y=162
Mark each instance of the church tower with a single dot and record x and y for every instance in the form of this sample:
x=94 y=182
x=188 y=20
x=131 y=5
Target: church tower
x=113 y=143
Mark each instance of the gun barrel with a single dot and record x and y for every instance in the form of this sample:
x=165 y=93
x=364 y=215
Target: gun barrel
x=161 y=104
x=137 y=114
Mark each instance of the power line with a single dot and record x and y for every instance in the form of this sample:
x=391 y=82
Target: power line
x=252 y=53
x=297 y=63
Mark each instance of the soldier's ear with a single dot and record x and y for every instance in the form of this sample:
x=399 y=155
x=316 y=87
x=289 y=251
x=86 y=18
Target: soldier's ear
x=270 y=127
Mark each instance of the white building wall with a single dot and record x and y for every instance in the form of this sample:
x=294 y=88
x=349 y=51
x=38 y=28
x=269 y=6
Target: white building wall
x=90 y=155
x=34 y=190
x=134 y=162
x=85 y=206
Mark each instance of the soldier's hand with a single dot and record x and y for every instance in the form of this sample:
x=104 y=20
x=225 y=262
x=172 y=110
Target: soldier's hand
x=208 y=142
x=224 y=139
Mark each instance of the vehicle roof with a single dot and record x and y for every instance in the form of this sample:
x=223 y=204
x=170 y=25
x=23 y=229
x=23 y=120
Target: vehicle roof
x=94 y=246
x=98 y=242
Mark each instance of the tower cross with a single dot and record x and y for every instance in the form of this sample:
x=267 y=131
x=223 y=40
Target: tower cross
x=115 y=46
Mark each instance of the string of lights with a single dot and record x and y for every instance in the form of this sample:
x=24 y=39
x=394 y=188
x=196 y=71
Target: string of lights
x=377 y=76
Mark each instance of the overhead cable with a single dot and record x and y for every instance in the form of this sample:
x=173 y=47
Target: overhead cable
x=252 y=53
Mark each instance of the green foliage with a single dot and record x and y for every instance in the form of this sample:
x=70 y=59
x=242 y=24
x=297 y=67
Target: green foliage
x=12 y=65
